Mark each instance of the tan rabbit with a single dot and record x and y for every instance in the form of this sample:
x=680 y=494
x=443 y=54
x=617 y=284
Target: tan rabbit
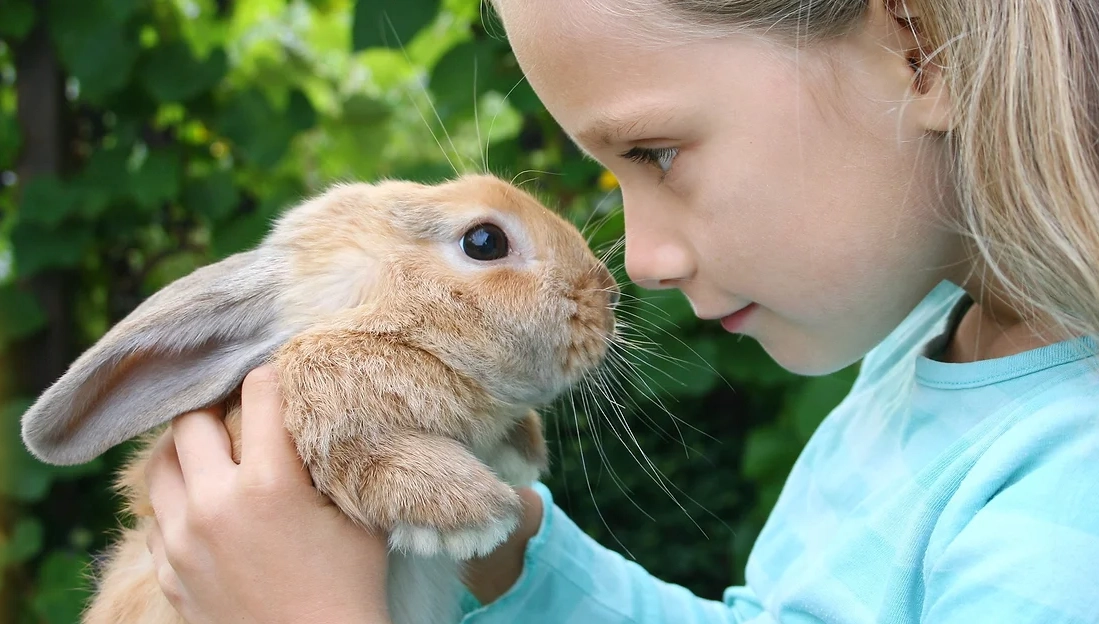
x=414 y=328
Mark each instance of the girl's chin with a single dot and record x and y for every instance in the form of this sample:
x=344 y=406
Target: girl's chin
x=801 y=356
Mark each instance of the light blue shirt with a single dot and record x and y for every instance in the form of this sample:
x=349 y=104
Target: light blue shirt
x=934 y=493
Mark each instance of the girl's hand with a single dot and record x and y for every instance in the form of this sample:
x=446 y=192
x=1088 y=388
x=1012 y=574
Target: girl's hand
x=256 y=542
x=491 y=576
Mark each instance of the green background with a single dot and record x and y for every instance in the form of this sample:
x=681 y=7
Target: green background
x=184 y=126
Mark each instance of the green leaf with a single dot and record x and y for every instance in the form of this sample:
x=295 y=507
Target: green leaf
x=745 y=362
x=62 y=587
x=461 y=75
x=674 y=367
x=510 y=81
x=603 y=223
x=505 y=157
x=16 y=18
x=809 y=404
x=214 y=196
x=172 y=73
x=11 y=139
x=157 y=179
x=743 y=540
x=356 y=151
x=72 y=20
x=102 y=60
x=360 y=109
x=105 y=177
x=24 y=478
x=245 y=231
x=767 y=496
x=24 y=542
x=238 y=234
x=20 y=314
x=768 y=453
x=300 y=112
x=521 y=95
x=47 y=200
x=580 y=173
x=256 y=128
x=171 y=268
x=485 y=65
x=119 y=10
x=654 y=312
x=389 y=23
x=95 y=43
x=37 y=249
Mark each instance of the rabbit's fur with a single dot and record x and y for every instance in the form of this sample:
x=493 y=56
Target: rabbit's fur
x=411 y=372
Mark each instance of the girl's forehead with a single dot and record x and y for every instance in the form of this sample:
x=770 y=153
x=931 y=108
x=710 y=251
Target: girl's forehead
x=600 y=82
x=576 y=45
x=578 y=21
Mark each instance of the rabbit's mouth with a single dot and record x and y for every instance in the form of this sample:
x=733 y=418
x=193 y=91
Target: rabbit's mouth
x=592 y=329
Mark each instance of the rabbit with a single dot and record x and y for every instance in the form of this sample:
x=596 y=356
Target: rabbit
x=415 y=330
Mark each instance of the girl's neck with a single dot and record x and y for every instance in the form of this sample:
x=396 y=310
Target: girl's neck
x=988 y=331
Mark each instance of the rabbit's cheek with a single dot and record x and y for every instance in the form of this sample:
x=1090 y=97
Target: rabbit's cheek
x=591 y=327
x=585 y=353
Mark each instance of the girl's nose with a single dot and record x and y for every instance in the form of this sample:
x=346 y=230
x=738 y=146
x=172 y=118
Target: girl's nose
x=666 y=264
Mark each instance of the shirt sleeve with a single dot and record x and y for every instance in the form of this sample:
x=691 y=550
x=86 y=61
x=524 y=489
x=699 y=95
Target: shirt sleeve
x=1027 y=551
x=569 y=578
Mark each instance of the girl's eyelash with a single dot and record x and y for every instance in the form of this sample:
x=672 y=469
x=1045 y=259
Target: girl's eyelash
x=652 y=156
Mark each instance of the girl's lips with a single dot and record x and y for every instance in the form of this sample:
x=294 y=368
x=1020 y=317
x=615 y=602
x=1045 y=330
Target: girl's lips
x=736 y=320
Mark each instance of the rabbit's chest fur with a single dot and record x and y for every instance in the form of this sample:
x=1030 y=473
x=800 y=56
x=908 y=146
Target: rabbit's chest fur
x=470 y=487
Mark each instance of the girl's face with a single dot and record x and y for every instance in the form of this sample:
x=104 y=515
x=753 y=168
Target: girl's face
x=798 y=195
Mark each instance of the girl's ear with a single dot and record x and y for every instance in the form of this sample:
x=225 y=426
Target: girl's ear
x=186 y=347
x=929 y=93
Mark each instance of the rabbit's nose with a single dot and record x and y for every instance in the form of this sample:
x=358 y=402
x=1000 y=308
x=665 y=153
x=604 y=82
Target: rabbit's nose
x=608 y=285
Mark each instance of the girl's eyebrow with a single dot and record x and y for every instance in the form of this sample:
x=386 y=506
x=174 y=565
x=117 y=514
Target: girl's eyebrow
x=608 y=128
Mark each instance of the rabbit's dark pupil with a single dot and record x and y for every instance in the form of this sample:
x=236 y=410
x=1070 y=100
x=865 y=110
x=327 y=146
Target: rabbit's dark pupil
x=485 y=242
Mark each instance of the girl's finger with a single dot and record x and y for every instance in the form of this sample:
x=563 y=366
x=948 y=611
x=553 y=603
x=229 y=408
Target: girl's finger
x=154 y=541
x=164 y=480
x=203 y=446
x=266 y=446
x=168 y=580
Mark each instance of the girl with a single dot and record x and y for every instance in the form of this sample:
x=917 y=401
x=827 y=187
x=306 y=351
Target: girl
x=910 y=183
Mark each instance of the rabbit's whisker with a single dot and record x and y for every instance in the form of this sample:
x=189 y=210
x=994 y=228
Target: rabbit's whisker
x=654 y=472
x=626 y=372
x=434 y=110
x=587 y=477
x=589 y=234
x=708 y=365
x=602 y=453
x=488 y=141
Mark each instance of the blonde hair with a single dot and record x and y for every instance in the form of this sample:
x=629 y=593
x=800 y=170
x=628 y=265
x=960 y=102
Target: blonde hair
x=1024 y=81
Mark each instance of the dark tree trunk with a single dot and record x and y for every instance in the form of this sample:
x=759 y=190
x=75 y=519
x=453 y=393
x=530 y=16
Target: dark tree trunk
x=41 y=359
x=38 y=360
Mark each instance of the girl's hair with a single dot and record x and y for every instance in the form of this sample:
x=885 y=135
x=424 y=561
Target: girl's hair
x=1024 y=82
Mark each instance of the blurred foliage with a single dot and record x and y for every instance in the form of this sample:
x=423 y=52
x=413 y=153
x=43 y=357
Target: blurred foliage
x=187 y=125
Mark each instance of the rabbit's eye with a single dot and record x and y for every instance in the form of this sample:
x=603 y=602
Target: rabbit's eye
x=485 y=242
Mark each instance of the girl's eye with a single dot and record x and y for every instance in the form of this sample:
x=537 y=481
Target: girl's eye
x=662 y=157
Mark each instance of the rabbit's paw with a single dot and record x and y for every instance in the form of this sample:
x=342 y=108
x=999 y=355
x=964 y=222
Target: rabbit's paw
x=459 y=544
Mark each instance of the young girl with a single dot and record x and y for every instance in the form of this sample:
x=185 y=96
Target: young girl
x=912 y=183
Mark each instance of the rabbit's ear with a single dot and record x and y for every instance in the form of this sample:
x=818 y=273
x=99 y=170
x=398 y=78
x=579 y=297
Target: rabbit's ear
x=186 y=347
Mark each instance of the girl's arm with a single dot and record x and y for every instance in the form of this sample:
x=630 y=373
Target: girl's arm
x=566 y=577
x=1023 y=542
